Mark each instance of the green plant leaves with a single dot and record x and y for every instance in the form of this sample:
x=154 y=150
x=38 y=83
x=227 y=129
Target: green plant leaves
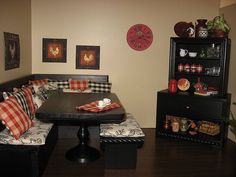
x=218 y=23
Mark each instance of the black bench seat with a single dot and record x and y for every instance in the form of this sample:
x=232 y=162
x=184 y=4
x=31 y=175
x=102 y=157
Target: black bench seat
x=120 y=143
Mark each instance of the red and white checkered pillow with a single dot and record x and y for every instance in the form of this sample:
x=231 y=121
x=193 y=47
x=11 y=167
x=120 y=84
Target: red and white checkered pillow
x=14 y=118
x=29 y=98
x=78 y=84
x=38 y=82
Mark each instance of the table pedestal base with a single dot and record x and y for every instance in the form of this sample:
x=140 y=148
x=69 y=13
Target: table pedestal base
x=83 y=153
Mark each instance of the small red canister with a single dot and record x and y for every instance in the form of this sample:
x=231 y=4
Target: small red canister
x=199 y=68
x=180 y=67
x=193 y=68
x=187 y=68
x=172 y=86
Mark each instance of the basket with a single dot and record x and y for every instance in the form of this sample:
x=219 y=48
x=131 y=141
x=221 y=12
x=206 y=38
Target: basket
x=209 y=128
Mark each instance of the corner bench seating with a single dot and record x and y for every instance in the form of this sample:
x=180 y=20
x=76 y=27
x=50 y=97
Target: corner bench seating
x=31 y=160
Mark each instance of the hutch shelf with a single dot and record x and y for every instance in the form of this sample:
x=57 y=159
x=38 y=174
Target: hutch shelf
x=210 y=65
x=186 y=114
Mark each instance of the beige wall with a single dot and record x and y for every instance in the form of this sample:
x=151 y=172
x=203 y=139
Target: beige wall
x=136 y=76
x=15 y=17
x=230 y=14
x=224 y=3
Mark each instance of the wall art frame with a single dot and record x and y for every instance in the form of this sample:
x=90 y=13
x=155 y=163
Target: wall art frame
x=54 y=50
x=12 y=50
x=87 y=57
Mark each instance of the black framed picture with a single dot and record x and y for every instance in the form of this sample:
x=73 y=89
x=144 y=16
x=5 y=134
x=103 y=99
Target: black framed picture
x=12 y=51
x=87 y=57
x=54 y=50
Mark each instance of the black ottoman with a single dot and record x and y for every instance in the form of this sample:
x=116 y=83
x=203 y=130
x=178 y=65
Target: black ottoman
x=120 y=143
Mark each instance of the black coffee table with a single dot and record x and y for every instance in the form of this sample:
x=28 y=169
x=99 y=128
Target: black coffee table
x=60 y=108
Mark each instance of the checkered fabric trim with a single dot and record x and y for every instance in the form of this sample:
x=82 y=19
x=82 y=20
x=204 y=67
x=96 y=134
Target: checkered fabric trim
x=14 y=118
x=92 y=107
x=21 y=98
x=78 y=84
x=100 y=87
x=111 y=140
x=64 y=84
x=29 y=98
x=39 y=82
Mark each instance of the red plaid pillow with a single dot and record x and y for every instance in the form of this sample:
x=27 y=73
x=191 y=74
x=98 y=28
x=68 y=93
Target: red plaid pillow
x=14 y=118
x=78 y=84
x=29 y=99
x=39 y=82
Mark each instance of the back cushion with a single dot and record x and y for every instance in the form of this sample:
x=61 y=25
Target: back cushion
x=78 y=84
x=100 y=87
x=38 y=82
x=61 y=84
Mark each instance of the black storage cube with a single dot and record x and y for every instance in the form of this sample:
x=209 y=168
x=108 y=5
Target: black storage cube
x=120 y=156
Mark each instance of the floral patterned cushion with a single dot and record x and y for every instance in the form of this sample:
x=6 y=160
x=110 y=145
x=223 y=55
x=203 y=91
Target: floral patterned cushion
x=36 y=135
x=42 y=93
x=76 y=91
x=128 y=128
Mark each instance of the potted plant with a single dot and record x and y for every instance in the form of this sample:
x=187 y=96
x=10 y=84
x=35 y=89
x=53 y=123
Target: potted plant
x=218 y=27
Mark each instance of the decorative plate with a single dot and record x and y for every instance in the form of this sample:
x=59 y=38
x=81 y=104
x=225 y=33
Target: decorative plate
x=182 y=29
x=183 y=84
x=139 y=37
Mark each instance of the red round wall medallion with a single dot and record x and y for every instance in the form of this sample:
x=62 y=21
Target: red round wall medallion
x=139 y=37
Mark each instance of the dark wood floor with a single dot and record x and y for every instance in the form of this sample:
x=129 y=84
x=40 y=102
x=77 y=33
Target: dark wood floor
x=159 y=157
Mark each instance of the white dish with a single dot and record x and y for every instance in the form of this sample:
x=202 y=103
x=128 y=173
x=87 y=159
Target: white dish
x=103 y=103
x=192 y=54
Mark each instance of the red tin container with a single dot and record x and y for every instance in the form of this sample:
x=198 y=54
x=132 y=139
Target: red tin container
x=172 y=86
